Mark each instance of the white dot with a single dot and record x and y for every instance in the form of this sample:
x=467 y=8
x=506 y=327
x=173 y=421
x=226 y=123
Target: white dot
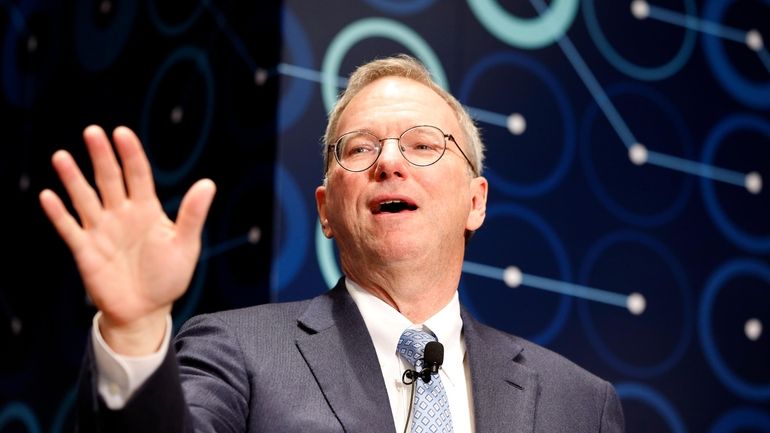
x=636 y=303
x=255 y=234
x=753 y=182
x=260 y=76
x=637 y=153
x=640 y=9
x=176 y=114
x=31 y=44
x=516 y=124
x=24 y=182
x=753 y=329
x=512 y=276
x=754 y=40
x=105 y=7
x=16 y=326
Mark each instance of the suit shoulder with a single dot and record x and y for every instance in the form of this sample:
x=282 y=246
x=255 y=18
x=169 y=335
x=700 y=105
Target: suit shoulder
x=259 y=316
x=549 y=365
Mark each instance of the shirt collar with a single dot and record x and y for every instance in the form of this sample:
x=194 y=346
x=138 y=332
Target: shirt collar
x=385 y=325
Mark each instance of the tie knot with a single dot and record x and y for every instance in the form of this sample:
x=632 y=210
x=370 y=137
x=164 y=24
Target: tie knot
x=411 y=345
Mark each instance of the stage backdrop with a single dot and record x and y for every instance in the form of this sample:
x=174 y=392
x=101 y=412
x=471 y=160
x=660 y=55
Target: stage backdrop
x=628 y=158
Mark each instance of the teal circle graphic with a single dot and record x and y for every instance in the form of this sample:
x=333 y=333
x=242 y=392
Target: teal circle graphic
x=324 y=250
x=530 y=33
x=368 y=28
x=645 y=73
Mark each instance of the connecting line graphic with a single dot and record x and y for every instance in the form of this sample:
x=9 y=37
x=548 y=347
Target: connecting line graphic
x=513 y=277
x=637 y=152
x=307 y=74
x=252 y=237
x=237 y=43
x=751 y=38
x=516 y=124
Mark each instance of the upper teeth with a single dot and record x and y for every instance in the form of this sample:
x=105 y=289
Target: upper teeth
x=390 y=202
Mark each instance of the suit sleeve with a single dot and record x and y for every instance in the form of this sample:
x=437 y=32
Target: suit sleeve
x=157 y=406
x=201 y=386
x=613 y=420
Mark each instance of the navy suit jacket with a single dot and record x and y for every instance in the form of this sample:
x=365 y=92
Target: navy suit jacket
x=310 y=366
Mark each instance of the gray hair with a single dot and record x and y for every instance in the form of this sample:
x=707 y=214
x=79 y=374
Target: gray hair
x=404 y=66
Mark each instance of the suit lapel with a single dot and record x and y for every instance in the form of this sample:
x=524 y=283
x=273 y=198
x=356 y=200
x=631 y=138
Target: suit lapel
x=341 y=355
x=504 y=391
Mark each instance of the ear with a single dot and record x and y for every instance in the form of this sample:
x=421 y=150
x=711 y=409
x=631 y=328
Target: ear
x=320 y=202
x=479 y=187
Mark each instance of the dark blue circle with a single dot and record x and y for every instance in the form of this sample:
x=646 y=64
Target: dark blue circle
x=21 y=412
x=724 y=273
x=296 y=98
x=97 y=48
x=20 y=89
x=562 y=261
x=395 y=7
x=645 y=394
x=752 y=243
x=644 y=220
x=169 y=177
x=595 y=339
x=67 y=403
x=742 y=418
x=497 y=180
x=747 y=91
x=11 y=74
x=636 y=71
x=173 y=29
x=294 y=215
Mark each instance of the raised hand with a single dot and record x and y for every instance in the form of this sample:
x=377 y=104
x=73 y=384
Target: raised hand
x=134 y=261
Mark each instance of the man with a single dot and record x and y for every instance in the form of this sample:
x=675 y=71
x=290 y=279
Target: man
x=401 y=195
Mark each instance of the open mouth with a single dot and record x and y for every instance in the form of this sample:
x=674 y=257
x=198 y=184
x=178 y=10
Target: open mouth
x=393 y=206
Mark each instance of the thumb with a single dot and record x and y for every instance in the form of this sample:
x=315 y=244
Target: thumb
x=194 y=209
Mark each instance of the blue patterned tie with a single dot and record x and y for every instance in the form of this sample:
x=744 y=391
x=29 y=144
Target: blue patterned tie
x=431 y=407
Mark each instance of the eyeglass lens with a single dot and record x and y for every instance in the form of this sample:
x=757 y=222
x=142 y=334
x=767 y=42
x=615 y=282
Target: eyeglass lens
x=420 y=145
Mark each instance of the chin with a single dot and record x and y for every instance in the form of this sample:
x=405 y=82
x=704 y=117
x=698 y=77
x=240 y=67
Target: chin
x=399 y=249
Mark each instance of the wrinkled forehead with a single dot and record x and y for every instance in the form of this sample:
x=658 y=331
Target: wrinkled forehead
x=390 y=105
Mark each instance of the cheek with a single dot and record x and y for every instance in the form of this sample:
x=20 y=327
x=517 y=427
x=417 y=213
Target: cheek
x=341 y=201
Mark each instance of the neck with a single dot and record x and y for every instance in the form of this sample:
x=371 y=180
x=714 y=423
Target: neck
x=414 y=291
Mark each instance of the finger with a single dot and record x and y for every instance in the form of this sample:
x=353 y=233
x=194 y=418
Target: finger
x=136 y=166
x=193 y=210
x=83 y=197
x=107 y=172
x=67 y=227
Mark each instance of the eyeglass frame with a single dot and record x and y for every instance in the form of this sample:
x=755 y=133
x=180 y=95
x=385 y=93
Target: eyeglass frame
x=332 y=148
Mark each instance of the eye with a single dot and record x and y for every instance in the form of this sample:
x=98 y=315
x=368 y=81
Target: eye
x=423 y=140
x=357 y=145
x=424 y=146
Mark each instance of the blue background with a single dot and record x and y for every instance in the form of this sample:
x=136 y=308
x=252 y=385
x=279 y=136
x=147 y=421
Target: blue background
x=239 y=91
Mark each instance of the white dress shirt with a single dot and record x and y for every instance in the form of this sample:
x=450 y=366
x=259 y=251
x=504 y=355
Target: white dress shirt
x=385 y=326
x=119 y=376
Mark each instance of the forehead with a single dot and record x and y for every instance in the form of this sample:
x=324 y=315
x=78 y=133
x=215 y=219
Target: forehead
x=390 y=105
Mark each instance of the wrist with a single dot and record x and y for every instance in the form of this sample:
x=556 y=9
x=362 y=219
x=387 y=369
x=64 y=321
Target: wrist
x=140 y=337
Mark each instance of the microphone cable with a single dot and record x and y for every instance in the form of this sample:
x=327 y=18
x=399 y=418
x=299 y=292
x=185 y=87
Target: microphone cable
x=408 y=375
x=432 y=360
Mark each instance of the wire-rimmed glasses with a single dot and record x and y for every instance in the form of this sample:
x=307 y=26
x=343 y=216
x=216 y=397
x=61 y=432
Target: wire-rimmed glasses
x=420 y=145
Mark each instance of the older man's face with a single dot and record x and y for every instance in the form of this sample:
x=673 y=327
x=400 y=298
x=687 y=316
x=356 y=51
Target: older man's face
x=395 y=211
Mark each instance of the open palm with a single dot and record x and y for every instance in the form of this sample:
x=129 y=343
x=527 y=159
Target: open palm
x=134 y=261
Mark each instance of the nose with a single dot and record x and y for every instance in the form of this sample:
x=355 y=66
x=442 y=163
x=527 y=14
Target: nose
x=390 y=163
